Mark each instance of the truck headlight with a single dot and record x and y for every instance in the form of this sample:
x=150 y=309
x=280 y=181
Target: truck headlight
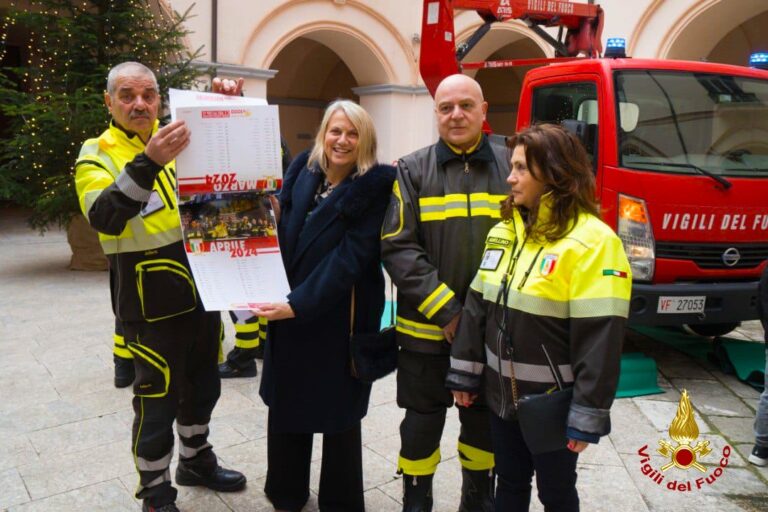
x=634 y=230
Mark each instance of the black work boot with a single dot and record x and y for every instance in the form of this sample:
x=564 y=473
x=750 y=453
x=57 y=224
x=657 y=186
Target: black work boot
x=220 y=479
x=258 y=352
x=240 y=362
x=477 y=491
x=228 y=370
x=168 y=507
x=417 y=493
x=124 y=372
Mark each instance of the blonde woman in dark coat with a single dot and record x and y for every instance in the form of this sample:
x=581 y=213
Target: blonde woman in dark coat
x=332 y=206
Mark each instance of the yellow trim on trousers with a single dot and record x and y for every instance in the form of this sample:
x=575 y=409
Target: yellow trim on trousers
x=119 y=348
x=475 y=459
x=419 y=467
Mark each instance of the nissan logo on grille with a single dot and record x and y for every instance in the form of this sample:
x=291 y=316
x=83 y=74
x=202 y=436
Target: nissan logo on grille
x=731 y=256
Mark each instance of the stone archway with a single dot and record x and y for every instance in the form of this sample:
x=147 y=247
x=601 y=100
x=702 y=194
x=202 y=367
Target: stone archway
x=310 y=75
x=716 y=30
x=321 y=50
x=502 y=86
x=746 y=38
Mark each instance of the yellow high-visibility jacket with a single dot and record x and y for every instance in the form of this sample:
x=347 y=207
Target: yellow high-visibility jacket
x=131 y=202
x=569 y=298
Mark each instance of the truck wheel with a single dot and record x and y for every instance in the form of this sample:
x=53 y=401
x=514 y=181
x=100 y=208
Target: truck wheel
x=710 y=330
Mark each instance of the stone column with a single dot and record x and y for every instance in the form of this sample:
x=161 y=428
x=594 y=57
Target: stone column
x=403 y=115
x=255 y=85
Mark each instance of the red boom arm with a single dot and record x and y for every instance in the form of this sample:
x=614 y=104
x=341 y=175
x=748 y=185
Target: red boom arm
x=584 y=24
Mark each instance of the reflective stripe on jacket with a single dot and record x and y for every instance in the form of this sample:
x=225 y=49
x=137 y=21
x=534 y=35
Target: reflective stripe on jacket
x=442 y=206
x=570 y=297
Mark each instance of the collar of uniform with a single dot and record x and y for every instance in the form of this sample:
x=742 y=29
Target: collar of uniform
x=118 y=135
x=543 y=215
x=481 y=151
x=545 y=208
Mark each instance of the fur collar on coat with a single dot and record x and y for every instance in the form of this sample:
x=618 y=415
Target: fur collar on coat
x=369 y=191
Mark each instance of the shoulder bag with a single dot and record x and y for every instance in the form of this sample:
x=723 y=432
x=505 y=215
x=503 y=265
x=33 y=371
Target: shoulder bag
x=544 y=417
x=373 y=354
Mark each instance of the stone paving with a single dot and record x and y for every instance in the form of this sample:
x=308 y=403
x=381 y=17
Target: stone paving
x=64 y=429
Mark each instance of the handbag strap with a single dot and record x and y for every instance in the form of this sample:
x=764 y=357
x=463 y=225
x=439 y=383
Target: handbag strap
x=554 y=369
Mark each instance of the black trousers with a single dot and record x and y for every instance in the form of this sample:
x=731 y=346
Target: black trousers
x=176 y=362
x=422 y=393
x=119 y=349
x=341 y=472
x=515 y=466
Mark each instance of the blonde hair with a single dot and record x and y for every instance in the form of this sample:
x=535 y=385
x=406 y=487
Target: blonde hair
x=366 y=133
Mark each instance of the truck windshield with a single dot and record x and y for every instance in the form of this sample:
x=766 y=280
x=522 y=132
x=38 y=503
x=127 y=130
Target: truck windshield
x=674 y=122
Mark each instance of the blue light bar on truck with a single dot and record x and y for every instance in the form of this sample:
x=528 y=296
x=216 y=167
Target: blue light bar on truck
x=758 y=60
x=616 y=48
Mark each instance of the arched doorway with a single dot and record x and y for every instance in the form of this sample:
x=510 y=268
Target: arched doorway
x=310 y=75
x=502 y=86
x=355 y=52
x=718 y=31
x=747 y=38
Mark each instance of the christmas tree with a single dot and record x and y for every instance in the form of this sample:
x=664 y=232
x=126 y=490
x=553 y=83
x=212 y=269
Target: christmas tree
x=55 y=99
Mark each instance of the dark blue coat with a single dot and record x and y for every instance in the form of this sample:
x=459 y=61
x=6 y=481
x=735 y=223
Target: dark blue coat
x=306 y=380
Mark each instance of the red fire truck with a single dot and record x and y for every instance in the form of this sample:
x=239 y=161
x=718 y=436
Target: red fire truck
x=680 y=152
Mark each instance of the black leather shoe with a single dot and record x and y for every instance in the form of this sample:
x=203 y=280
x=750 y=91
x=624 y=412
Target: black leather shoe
x=220 y=479
x=258 y=352
x=124 y=372
x=230 y=371
x=168 y=507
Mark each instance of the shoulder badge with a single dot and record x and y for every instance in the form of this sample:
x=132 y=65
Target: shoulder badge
x=495 y=240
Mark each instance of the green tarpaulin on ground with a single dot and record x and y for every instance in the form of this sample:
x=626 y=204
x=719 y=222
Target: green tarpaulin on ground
x=745 y=359
x=638 y=376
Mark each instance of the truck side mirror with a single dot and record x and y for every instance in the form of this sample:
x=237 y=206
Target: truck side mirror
x=629 y=113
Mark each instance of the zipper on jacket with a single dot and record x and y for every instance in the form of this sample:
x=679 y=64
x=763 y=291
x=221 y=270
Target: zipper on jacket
x=501 y=302
x=530 y=268
x=468 y=190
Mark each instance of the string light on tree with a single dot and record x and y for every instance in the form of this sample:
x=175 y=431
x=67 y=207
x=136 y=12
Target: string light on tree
x=52 y=99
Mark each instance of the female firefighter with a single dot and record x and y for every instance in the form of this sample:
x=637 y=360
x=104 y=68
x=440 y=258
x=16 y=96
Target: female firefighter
x=548 y=306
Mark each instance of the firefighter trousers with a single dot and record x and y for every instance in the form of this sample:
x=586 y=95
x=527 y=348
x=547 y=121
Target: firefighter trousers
x=119 y=348
x=422 y=393
x=250 y=336
x=176 y=362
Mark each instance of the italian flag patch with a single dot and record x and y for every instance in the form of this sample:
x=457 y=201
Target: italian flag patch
x=614 y=273
x=548 y=264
